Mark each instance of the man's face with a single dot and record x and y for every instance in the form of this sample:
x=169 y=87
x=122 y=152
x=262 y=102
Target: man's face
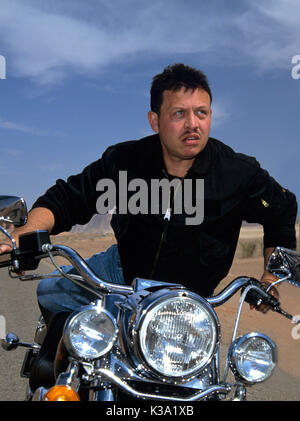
x=183 y=123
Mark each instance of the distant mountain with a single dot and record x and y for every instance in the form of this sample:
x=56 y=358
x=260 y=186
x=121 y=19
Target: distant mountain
x=98 y=224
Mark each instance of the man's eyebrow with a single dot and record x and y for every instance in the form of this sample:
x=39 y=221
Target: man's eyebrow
x=182 y=107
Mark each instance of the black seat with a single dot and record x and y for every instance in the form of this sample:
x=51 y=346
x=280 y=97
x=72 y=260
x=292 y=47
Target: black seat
x=42 y=372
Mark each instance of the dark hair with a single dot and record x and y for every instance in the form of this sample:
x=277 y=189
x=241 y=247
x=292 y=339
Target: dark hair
x=173 y=78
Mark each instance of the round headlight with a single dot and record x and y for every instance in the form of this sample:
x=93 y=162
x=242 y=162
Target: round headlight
x=90 y=333
x=178 y=335
x=253 y=357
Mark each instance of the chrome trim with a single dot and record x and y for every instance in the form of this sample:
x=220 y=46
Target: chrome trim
x=39 y=394
x=13 y=210
x=234 y=346
x=217 y=365
x=284 y=262
x=70 y=377
x=11 y=342
x=237 y=320
x=98 y=308
x=86 y=272
x=117 y=363
x=228 y=291
x=240 y=393
x=132 y=318
x=15 y=262
x=241 y=303
x=41 y=331
x=6 y=233
x=279 y=281
x=224 y=389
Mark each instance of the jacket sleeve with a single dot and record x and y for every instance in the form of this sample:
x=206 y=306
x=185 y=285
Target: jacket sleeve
x=274 y=207
x=74 y=201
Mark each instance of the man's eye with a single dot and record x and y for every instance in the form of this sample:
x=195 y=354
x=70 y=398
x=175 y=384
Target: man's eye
x=178 y=113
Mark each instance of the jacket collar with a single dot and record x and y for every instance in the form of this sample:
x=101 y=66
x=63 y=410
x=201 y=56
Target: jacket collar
x=200 y=166
x=203 y=160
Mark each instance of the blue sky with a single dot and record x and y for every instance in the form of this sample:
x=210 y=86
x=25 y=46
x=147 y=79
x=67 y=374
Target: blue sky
x=78 y=75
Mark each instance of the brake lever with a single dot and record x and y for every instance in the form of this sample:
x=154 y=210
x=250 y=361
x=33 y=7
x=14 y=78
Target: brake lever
x=256 y=298
x=287 y=315
x=259 y=295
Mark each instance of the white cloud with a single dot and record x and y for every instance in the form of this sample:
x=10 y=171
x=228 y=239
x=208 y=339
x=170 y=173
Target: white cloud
x=12 y=152
x=221 y=113
x=11 y=125
x=271 y=33
x=50 y=40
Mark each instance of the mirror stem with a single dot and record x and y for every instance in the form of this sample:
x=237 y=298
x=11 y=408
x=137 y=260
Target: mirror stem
x=278 y=282
x=15 y=261
x=9 y=236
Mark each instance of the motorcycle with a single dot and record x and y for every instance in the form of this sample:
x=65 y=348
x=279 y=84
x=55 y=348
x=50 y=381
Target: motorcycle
x=149 y=340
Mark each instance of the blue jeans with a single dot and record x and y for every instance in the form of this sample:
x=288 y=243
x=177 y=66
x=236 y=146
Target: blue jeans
x=61 y=294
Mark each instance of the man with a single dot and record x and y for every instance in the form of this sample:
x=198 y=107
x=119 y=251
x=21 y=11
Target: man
x=163 y=246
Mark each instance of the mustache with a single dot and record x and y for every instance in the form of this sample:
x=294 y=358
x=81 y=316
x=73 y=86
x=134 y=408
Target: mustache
x=195 y=131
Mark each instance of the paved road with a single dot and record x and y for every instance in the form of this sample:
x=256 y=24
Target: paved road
x=18 y=305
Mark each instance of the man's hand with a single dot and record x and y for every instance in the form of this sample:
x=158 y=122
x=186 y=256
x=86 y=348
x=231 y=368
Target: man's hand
x=5 y=248
x=38 y=219
x=266 y=280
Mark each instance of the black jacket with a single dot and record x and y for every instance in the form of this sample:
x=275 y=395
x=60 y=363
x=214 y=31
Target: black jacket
x=236 y=188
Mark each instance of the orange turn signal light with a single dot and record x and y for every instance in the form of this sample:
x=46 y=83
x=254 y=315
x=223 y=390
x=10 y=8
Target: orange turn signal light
x=61 y=393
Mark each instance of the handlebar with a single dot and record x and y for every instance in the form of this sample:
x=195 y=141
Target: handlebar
x=259 y=295
x=256 y=296
x=86 y=272
x=5 y=259
x=35 y=246
x=228 y=291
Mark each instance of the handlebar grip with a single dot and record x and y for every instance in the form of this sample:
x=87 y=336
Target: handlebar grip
x=5 y=259
x=257 y=297
x=29 y=253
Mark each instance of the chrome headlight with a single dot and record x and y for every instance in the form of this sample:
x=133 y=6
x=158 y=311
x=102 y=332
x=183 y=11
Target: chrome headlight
x=175 y=334
x=253 y=357
x=90 y=333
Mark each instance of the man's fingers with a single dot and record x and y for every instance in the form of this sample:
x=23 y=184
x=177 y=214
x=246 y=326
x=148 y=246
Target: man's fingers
x=263 y=308
x=5 y=248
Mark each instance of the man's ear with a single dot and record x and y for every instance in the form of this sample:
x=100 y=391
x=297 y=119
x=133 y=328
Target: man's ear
x=153 y=120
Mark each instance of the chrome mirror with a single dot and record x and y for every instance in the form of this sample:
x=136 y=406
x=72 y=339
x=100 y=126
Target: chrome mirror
x=13 y=211
x=285 y=262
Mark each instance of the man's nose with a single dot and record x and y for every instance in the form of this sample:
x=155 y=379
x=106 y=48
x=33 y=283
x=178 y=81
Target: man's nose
x=191 y=120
